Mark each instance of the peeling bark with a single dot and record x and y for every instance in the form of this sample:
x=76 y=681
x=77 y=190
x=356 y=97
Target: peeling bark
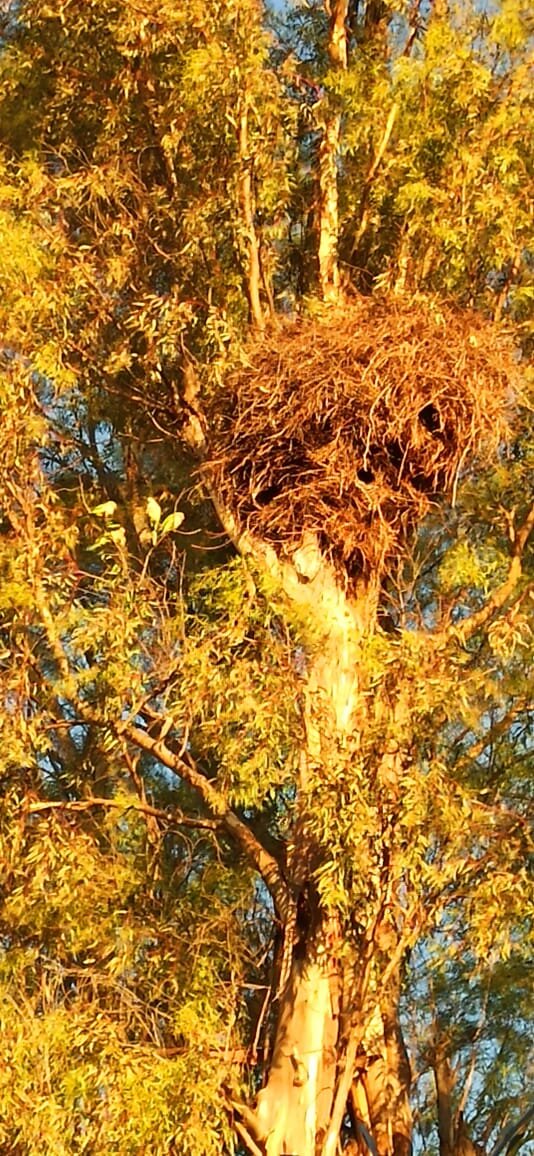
x=294 y=1106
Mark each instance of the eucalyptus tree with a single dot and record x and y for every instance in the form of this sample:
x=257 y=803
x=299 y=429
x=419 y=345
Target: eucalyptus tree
x=266 y=536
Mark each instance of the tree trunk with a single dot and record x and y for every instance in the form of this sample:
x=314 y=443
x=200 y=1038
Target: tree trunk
x=380 y=1091
x=454 y=1137
x=301 y=1108
x=445 y=1080
x=328 y=209
x=294 y=1106
x=337 y=11
x=246 y=197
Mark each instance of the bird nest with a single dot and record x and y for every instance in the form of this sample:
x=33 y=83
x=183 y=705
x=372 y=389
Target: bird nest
x=348 y=425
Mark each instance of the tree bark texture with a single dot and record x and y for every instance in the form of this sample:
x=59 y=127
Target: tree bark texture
x=454 y=1137
x=380 y=1091
x=295 y=1104
x=337 y=1047
x=328 y=209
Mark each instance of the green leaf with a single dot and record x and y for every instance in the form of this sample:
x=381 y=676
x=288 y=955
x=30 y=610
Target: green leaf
x=153 y=510
x=172 y=522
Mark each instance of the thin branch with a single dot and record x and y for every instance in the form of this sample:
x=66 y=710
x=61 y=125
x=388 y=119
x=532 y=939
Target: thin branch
x=245 y=1136
x=24 y=526
x=515 y=1131
x=185 y=767
x=250 y=1123
x=173 y=816
x=473 y=1057
x=373 y=169
x=379 y=155
x=466 y=629
x=358 y=1030
x=246 y=196
x=254 y=1049
x=510 y=278
x=382 y=147
x=336 y=46
x=237 y=1055
x=499 y=728
x=138 y=781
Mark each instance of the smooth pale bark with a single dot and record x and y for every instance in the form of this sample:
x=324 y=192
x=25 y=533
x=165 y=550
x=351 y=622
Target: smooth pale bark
x=294 y=1108
x=296 y=1111
x=337 y=11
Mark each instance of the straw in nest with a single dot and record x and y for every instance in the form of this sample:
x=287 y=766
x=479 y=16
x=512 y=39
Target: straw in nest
x=348 y=425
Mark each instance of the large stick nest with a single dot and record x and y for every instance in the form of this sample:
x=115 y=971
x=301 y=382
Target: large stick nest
x=348 y=425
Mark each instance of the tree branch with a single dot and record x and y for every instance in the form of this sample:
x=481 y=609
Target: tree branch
x=514 y=1131
x=466 y=629
x=336 y=47
x=185 y=767
x=245 y=1136
x=121 y=805
x=358 y=1029
x=376 y=160
x=337 y=12
x=499 y=728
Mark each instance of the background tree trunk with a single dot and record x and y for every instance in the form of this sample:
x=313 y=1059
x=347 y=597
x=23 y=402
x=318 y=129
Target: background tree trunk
x=253 y=276
x=337 y=11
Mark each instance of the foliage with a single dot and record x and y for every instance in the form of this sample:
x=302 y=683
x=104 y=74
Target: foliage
x=137 y=938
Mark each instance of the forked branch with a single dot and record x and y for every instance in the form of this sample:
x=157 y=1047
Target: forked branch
x=186 y=768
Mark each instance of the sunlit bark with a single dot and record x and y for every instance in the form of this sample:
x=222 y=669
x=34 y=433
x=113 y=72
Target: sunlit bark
x=337 y=11
x=327 y=1017
x=246 y=197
